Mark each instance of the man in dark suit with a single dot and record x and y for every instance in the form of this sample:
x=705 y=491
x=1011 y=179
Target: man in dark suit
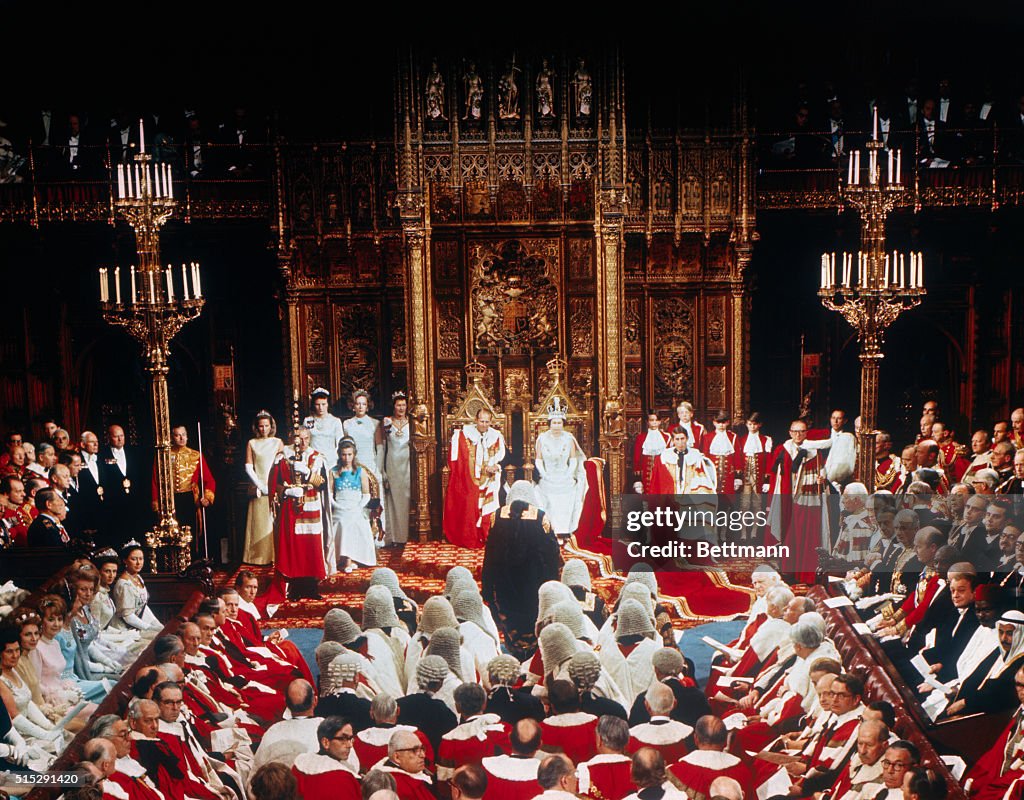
x=424 y=711
x=969 y=536
x=123 y=479
x=90 y=490
x=47 y=530
x=691 y=704
x=123 y=138
x=997 y=517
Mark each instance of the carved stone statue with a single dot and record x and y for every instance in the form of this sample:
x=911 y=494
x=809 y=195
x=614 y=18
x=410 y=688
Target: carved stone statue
x=435 y=93
x=508 y=92
x=474 y=86
x=420 y=422
x=583 y=89
x=614 y=424
x=545 y=92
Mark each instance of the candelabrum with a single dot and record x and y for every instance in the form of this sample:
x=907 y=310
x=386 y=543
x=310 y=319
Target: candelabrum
x=148 y=304
x=871 y=296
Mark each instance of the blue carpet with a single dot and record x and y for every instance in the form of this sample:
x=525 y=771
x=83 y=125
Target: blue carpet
x=693 y=648
x=306 y=639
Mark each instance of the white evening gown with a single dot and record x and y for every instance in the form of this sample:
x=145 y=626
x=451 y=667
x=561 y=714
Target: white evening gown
x=398 y=497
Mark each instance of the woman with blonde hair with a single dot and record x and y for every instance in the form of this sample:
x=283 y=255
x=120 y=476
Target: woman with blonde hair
x=260 y=454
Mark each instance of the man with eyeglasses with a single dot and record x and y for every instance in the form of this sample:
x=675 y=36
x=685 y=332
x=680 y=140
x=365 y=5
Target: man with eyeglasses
x=797 y=516
x=899 y=757
x=174 y=728
x=129 y=775
x=329 y=774
x=406 y=763
x=1003 y=764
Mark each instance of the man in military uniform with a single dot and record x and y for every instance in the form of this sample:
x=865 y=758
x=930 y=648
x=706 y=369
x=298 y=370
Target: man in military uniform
x=887 y=466
x=951 y=453
x=15 y=513
x=194 y=486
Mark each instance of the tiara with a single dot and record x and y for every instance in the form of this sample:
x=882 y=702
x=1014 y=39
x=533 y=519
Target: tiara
x=399 y=395
x=556 y=410
x=320 y=391
x=131 y=543
x=263 y=413
x=107 y=552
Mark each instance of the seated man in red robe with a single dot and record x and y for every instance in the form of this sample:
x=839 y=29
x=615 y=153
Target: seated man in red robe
x=662 y=733
x=568 y=729
x=1003 y=765
x=607 y=775
x=513 y=776
x=328 y=774
x=241 y=627
x=477 y=736
x=698 y=769
x=405 y=763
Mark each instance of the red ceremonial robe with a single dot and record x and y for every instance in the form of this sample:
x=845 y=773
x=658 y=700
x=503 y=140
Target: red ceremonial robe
x=572 y=734
x=512 y=777
x=130 y=782
x=321 y=777
x=665 y=735
x=1001 y=766
x=606 y=777
x=470 y=742
x=371 y=744
x=301 y=525
x=409 y=786
x=469 y=502
x=166 y=764
x=698 y=769
x=283 y=649
x=760 y=459
x=796 y=513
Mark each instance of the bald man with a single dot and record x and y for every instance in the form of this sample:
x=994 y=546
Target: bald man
x=123 y=478
x=698 y=769
x=663 y=734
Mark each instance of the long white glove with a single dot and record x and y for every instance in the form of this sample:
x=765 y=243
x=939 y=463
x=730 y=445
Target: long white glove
x=261 y=486
x=301 y=468
x=294 y=491
x=26 y=727
x=135 y=621
x=35 y=714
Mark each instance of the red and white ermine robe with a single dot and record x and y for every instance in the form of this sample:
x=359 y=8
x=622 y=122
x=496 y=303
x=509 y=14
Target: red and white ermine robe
x=607 y=776
x=999 y=771
x=646 y=448
x=688 y=472
x=323 y=777
x=248 y=627
x=302 y=522
x=470 y=742
x=797 y=513
x=472 y=496
x=698 y=769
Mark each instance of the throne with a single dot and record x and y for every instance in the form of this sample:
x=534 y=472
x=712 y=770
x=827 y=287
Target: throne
x=575 y=422
x=474 y=399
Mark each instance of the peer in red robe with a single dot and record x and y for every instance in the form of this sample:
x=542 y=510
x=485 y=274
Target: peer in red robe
x=473 y=740
x=573 y=733
x=698 y=769
x=130 y=782
x=323 y=777
x=474 y=477
x=512 y=777
x=298 y=483
x=720 y=446
x=607 y=776
x=797 y=515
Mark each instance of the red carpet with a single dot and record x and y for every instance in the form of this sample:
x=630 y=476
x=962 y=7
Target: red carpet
x=694 y=597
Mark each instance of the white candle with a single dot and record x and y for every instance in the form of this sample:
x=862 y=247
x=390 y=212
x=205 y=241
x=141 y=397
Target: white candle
x=832 y=277
x=120 y=181
x=898 y=156
x=888 y=176
x=117 y=284
x=170 y=183
x=885 y=280
x=128 y=180
x=138 y=182
x=170 y=285
x=167 y=179
x=135 y=294
x=920 y=269
x=184 y=282
x=142 y=138
x=903 y=282
x=871 y=166
x=856 y=168
x=199 y=282
x=849 y=175
x=103 y=285
x=874 y=129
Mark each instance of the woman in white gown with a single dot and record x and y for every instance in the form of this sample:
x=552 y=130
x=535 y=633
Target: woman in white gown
x=397 y=482
x=31 y=729
x=350 y=492
x=131 y=598
x=560 y=463
x=260 y=454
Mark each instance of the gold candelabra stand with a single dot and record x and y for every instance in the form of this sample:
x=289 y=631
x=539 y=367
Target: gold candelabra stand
x=873 y=289
x=148 y=307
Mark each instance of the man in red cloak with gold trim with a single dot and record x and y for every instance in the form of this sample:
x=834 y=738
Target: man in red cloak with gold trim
x=474 y=464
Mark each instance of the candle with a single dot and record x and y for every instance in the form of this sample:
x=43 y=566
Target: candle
x=117 y=284
x=898 y=156
x=156 y=180
x=199 y=283
x=127 y=180
x=103 y=285
x=135 y=294
x=856 y=168
x=920 y=269
x=170 y=183
x=888 y=176
x=184 y=282
x=142 y=138
x=849 y=175
x=138 y=183
x=903 y=282
x=874 y=129
x=120 y=181
x=170 y=285
x=885 y=280
x=871 y=167
x=832 y=265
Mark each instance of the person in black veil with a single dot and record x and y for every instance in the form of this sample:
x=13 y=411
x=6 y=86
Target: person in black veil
x=521 y=554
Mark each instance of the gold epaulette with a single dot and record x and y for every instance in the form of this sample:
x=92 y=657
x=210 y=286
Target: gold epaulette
x=529 y=513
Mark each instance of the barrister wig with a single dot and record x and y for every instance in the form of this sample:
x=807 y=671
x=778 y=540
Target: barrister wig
x=379 y=609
